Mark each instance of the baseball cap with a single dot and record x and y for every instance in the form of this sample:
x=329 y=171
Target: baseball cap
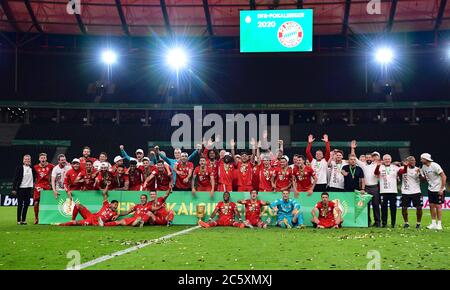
x=76 y=160
x=146 y=158
x=140 y=151
x=376 y=153
x=285 y=157
x=117 y=158
x=426 y=156
x=133 y=160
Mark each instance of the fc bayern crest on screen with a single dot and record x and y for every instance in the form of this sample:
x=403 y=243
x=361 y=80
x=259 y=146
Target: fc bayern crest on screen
x=290 y=34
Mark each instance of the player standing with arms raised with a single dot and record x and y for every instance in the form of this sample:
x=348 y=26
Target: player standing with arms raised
x=319 y=164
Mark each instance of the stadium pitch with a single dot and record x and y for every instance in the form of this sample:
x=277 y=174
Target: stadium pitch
x=46 y=247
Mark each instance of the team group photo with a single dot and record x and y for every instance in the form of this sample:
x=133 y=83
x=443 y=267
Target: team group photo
x=224 y=135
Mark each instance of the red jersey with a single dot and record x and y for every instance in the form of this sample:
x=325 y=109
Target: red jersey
x=83 y=161
x=203 y=178
x=226 y=210
x=105 y=213
x=146 y=172
x=43 y=175
x=244 y=174
x=119 y=180
x=326 y=213
x=183 y=169
x=303 y=177
x=69 y=181
x=225 y=175
x=282 y=177
x=89 y=179
x=162 y=179
x=135 y=179
x=113 y=169
x=214 y=167
x=158 y=202
x=103 y=177
x=253 y=210
x=141 y=210
x=263 y=177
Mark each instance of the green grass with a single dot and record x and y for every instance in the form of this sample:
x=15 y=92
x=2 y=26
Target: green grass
x=45 y=247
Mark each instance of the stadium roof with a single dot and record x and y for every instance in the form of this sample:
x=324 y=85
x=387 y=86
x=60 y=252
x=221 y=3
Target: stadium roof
x=215 y=17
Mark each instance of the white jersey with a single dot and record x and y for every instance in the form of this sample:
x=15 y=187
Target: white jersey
x=411 y=181
x=336 y=177
x=432 y=174
x=60 y=174
x=370 y=178
x=321 y=170
x=388 y=178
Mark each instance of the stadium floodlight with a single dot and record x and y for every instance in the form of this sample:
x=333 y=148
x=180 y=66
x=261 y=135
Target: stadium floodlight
x=384 y=55
x=109 y=57
x=177 y=58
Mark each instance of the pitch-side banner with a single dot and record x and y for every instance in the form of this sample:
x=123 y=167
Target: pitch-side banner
x=57 y=210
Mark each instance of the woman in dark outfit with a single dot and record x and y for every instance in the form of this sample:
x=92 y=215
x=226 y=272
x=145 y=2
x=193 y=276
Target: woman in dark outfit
x=23 y=188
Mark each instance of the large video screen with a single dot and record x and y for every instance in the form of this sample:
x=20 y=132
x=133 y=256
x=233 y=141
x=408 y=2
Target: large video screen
x=276 y=30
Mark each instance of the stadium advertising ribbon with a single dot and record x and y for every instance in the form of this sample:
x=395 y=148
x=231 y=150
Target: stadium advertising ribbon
x=189 y=209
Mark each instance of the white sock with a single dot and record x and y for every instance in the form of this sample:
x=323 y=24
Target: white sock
x=433 y=222
x=439 y=223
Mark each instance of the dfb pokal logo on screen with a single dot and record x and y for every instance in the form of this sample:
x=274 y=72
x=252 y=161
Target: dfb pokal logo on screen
x=214 y=123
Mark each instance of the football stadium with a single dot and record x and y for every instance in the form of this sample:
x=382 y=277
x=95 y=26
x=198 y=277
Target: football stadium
x=224 y=135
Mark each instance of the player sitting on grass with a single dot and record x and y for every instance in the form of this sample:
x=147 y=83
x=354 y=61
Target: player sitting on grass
x=107 y=213
x=253 y=211
x=287 y=211
x=142 y=214
x=227 y=210
x=326 y=214
x=158 y=208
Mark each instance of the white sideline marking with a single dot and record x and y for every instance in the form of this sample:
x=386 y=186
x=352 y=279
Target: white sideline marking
x=134 y=248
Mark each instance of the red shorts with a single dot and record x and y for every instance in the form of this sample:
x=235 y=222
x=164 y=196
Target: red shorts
x=245 y=188
x=225 y=187
x=163 y=218
x=130 y=220
x=37 y=193
x=204 y=188
x=254 y=221
x=327 y=223
x=91 y=221
x=225 y=222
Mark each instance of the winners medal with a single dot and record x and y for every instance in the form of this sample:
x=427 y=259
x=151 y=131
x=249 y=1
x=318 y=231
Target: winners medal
x=266 y=173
